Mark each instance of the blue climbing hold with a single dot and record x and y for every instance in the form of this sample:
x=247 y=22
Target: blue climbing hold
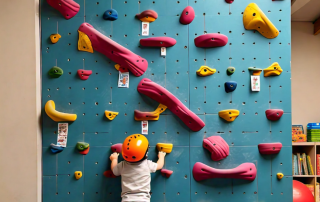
x=110 y=14
x=56 y=149
x=230 y=86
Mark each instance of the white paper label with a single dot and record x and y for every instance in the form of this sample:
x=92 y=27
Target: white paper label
x=144 y=126
x=163 y=51
x=255 y=83
x=145 y=28
x=62 y=134
x=123 y=80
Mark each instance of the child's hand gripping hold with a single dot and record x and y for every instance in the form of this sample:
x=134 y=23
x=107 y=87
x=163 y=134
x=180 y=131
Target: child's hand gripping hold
x=160 y=162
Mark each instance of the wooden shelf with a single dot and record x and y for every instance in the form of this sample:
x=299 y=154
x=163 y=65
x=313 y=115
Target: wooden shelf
x=304 y=175
x=304 y=143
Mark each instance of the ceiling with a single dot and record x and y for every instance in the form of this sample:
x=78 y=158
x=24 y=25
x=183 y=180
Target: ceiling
x=305 y=10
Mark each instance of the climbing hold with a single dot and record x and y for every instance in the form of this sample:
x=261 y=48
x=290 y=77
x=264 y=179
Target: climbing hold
x=218 y=148
x=230 y=70
x=121 y=69
x=84 y=74
x=55 y=38
x=229 y=114
x=83 y=147
x=117 y=148
x=117 y=53
x=187 y=15
x=50 y=109
x=211 y=40
x=166 y=173
x=55 y=148
x=255 y=71
x=279 y=176
x=109 y=174
x=255 y=19
x=165 y=147
x=55 y=72
x=274 y=114
x=110 y=14
x=147 y=16
x=229 y=1
x=110 y=115
x=78 y=174
x=269 y=148
x=163 y=41
x=230 y=86
x=68 y=8
x=273 y=70
x=245 y=171
x=205 y=71
x=149 y=116
x=163 y=96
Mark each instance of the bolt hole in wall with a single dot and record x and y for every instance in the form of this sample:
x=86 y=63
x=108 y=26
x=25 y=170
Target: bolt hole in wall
x=204 y=96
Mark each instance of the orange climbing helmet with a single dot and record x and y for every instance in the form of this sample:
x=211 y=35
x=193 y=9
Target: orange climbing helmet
x=135 y=148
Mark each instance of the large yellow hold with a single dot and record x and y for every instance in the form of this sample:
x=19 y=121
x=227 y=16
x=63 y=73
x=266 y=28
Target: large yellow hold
x=84 y=43
x=273 y=70
x=229 y=114
x=255 y=19
x=165 y=147
x=205 y=71
x=50 y=109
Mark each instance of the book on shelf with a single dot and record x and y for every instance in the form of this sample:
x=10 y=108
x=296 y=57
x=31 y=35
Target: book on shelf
x=318 y=164
x=310 y=165
x=299 y=164
x=295 y=165
x=304 y=163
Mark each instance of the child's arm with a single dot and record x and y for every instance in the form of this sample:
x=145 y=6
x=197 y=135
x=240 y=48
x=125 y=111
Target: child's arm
x=114 y=160
x=160 y=162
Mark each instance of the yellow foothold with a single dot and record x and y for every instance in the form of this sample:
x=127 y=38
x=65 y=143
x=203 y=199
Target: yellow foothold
x=165 y=147
x=50 y=109
x=84 y=43
x=161 y=108
x=78 y=174
x=55 y=38
x=205 y=71
x=255 y=19
x=273 y=70
x=229 y=114
x=110 y=115
x=255 y=71
x=117 y=66
x=147 y=19
x=279 y=176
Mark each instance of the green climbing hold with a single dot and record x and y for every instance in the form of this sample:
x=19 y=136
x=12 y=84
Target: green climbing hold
x=55 y=72
x=230 y=70
x=82 y=146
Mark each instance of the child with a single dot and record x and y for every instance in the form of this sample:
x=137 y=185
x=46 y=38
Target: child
x=135 y=170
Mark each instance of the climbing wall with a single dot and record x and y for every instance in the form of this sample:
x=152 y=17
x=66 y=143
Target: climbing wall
x=205 y=96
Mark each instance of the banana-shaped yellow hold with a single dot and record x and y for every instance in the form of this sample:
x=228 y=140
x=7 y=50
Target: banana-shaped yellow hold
x=273 y=70
x=110 y=115
x=205 y=71
x=165 y=147
x=229 y=114
x=50 y=109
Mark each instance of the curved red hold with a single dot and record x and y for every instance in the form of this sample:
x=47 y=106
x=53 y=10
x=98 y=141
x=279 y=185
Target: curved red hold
x=68 y=8
x=139 y=115
x=85 y=152
x=274 y=114
x=84 y=74
x=230 y=1
x=269 y=148
x=218 y=148
x=163 y=96
x=166 y=173
x=211 y=40
x=149 y=13
x=187 y=15
x=158 y=42
x=117 y=53
x=109 y=174
x=117 y=148
x=245 y=171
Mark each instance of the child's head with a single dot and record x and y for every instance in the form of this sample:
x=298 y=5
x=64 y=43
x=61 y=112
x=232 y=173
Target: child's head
x=135 y=148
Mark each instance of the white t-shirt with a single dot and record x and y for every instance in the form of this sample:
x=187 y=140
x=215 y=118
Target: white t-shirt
x=135 y=179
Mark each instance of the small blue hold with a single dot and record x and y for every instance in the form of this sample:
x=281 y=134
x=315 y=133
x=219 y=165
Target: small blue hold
x=110 y=14
x=56 y=149
x=230 y=86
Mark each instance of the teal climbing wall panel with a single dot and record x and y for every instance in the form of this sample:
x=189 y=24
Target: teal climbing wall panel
x=203 y=95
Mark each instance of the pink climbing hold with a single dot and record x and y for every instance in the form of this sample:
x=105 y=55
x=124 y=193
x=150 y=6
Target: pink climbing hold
x=117 y=53
x=218 y=148
x=166 y=173
x=187 y=15
x=245 y=171
x=158 y=42
x=211 y=40
x=274 y=114
x=163 y=96
x=109 y=174
x=269 y=148
x=68 y=8
x=84 y=74
x=230 y=1
x=117 y=148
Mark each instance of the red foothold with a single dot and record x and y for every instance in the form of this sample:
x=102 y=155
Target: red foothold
x=229 y=1
x=166 y=173
x=187 y=15
x=109 y=174
x=84 y=74
x=117 y=148
x=270 y=148
x=85 y=152
x=158 y=42
x=274 y=114
x=211 y=40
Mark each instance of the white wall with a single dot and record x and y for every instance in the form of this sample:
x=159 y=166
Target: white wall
x=20 y=149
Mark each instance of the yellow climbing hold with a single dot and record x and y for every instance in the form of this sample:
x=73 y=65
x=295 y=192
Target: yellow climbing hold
x=117 y=66
x=205 y=71
x=165 y=147
x=149 y=116
x=273 y=70
x=279 y=176
x=229 y=114
x=255 y=19
x=110 y=115
x=161 y=108
x=78 y=174
x=84 y=43
x=50 y=109
x=55 y=38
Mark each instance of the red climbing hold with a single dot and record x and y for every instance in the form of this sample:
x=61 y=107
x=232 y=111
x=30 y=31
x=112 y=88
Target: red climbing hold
x=68 y=8
x=270 y=148
x=109 y=174
x=84 y=74
x=158 y=42
x=117 y=148
x=166 y=173
x=187 y=15
x=85 y=152
x=230 y=1
x=218 y=148
x=274 y=114
x=147 y=16
x=211 y=40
